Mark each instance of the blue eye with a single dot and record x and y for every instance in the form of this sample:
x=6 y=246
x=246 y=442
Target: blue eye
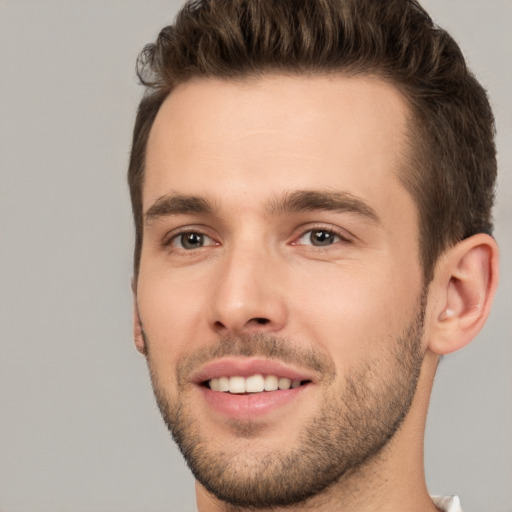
x=319 y=238
x=191 y=240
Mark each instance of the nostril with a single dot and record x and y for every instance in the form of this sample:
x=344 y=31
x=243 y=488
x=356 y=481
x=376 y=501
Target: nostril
x=254 y=323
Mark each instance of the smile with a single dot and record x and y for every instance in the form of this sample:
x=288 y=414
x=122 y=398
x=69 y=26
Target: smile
x=246 y=388
x=253 y=384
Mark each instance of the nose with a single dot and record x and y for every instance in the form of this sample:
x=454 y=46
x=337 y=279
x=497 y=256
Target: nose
x=249 y=295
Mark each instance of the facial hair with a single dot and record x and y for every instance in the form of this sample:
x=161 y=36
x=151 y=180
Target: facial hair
x=355 y=421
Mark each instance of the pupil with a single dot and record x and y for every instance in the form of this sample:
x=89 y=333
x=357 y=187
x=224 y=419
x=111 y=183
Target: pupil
x=321 y=237
x=191 y=240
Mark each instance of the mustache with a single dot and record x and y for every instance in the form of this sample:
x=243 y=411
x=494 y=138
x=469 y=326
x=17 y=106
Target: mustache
x=258 y=344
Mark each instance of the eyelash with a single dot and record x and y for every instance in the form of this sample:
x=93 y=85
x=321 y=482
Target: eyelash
x=168 y=240
x=327 y=229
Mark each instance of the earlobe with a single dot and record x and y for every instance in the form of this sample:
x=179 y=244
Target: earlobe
x=465 y=281
x=138 y=334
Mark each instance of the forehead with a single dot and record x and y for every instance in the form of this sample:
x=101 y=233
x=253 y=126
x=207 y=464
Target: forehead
x=256 y=136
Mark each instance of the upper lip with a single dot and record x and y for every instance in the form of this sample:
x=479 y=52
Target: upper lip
x=247 y=366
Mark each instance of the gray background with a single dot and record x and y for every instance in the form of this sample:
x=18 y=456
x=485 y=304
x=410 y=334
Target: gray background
x=79 y=431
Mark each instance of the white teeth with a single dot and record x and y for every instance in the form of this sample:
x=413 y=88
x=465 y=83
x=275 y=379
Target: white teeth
x=223 y=383
x=236 y=385
x=271 y=383
x=284 y=383
x=252 y=384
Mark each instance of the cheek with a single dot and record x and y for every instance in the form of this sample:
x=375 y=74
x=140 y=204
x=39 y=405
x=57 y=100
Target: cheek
x=354 y=312
x=171 y=313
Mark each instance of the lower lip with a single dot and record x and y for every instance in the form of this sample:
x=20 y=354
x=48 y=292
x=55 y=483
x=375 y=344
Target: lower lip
x=246 y=406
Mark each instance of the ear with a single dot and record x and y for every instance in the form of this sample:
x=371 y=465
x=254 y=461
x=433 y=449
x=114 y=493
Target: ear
x=138 y=335
x=465 y=280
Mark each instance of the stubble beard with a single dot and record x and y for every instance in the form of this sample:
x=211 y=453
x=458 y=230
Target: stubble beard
x=354 y=423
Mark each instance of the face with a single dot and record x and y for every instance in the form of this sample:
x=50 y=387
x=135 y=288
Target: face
x=280 y=290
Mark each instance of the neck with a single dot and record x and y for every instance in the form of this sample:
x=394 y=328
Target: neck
x=392 y=480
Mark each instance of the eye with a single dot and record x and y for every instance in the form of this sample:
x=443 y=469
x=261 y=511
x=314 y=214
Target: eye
x=191 y=240
x=319 y=238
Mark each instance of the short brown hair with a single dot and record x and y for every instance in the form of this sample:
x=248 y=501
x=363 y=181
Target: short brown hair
x=452 y=169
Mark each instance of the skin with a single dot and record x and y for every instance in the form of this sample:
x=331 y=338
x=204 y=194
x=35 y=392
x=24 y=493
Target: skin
x=241 y=146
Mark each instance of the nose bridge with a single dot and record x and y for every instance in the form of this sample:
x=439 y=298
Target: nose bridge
x=248 y=292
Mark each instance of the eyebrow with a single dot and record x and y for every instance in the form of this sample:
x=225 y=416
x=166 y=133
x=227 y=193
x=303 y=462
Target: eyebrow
x=290 y=202
x=176 y=204
x=313 y=200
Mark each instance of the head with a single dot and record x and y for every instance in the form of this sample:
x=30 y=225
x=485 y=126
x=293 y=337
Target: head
x=303 y=175
x=451 y=171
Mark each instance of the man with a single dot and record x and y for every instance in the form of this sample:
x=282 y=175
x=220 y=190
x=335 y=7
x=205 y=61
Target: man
x=312 y=184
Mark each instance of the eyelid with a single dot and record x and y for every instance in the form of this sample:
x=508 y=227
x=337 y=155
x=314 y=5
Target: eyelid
x=343 y=234
x=175 y=233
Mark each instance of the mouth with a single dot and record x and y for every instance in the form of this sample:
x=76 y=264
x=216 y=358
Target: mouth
x=246 y=388
x=253 y=384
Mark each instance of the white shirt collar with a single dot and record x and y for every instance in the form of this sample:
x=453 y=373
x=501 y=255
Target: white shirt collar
x=447 y=503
